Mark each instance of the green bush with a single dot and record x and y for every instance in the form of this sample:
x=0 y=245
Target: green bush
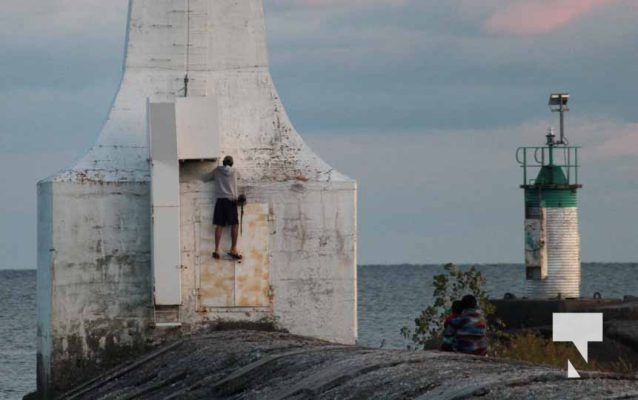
x=452 y=285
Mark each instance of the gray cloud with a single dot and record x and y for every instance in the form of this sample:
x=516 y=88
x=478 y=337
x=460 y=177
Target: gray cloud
x=424 y=55
x=35 y=22
x=421 y=88
x=453 y=195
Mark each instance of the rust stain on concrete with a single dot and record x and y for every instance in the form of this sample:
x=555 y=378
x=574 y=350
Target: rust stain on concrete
x=217 y=289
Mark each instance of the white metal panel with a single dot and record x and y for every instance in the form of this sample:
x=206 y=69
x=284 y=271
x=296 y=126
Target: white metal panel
x=166 y=256
x=163 y=152
x=164 y=180
x=161 y=123
x=165 y=203
x=197 y=128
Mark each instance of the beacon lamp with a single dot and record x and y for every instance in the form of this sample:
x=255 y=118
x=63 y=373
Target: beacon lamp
x=558 y=103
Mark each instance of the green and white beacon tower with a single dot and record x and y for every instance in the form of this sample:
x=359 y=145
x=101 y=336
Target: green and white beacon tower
x=552 y=242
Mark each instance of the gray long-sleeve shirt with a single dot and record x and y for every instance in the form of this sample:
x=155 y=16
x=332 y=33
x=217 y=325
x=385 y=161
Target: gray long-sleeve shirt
x=225 y=179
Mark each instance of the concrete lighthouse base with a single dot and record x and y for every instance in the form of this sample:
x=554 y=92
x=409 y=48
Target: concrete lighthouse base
x=98 y=274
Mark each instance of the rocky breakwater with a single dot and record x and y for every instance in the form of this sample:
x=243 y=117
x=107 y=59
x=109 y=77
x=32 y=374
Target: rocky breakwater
x=246 y=364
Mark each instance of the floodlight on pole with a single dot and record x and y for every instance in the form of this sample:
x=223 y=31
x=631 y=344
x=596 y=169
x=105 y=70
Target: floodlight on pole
x=558 y=103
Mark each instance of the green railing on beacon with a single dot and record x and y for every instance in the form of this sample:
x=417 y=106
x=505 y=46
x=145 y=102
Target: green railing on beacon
x=550 y=165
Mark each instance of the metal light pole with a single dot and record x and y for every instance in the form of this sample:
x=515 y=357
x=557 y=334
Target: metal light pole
x=558 y=103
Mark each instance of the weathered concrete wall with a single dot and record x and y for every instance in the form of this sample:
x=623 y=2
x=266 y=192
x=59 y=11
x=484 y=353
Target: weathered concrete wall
x=314 y=254
x=44 y=287
x=95 y=280
x=311 y=250
x=228 y=60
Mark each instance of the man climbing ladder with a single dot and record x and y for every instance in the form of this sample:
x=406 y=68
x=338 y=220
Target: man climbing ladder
x=225 y=214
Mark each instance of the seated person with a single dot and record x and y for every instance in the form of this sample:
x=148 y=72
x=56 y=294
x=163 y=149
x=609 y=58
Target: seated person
x=470 y=336
x=447 y=344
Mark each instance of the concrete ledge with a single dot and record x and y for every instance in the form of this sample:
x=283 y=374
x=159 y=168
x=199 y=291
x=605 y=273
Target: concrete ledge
x=273 y=365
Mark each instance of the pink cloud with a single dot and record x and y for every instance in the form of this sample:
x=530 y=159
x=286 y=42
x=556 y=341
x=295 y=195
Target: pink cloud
x=622 y=143
x=338 y=3
x=542 y=16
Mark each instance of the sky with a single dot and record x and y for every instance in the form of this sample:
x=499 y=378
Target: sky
x=423 y=102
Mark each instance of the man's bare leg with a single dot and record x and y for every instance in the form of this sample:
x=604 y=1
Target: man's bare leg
x=218 y=237
x=234 y=234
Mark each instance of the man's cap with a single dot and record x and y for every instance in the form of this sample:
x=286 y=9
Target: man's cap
x=228 y=160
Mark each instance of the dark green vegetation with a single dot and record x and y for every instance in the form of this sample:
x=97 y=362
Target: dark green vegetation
x=532 y=345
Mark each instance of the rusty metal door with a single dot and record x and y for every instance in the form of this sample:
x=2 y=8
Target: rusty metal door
x=216 y=282
x=227 y=283
x=252 y=275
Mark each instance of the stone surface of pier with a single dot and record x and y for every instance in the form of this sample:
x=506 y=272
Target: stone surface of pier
x=244 y=364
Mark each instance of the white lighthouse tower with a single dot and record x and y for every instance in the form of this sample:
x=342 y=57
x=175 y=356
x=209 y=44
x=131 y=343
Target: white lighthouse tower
x=552 y=241
x=125 y=236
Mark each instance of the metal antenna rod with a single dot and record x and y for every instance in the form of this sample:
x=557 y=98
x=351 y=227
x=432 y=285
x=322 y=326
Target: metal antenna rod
x=558 y=103
x=188 y=45
x=562 y=124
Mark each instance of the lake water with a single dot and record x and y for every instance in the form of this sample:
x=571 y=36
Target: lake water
x=17 y=333
x=392 y=296
x=389 y=298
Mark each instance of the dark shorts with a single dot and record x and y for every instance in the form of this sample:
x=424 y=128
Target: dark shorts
x=225 y=213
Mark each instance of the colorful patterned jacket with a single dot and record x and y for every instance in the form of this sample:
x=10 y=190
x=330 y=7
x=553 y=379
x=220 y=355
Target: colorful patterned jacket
x=469 y=332
x=449 y=333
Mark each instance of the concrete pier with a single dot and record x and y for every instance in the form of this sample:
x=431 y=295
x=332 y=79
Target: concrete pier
x=242 y=364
